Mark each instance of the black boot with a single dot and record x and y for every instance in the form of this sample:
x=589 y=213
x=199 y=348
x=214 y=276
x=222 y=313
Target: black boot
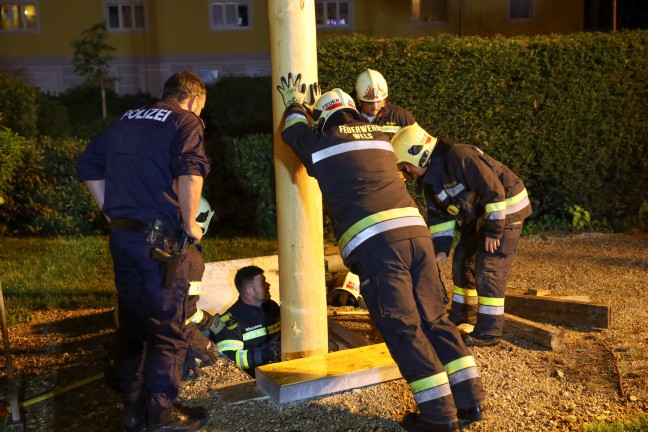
x=414 y=423
x=176 y=419
x=134 y=416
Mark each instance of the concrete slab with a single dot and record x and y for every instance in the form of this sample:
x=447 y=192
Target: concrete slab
x=323 y=374
x=218 y=291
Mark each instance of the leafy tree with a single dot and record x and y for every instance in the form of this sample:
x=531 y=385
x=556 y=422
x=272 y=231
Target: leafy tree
x=91 y=58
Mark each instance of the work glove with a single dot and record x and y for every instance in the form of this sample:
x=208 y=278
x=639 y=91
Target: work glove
x=314 y=92
x=216 y=327
x=292 y=91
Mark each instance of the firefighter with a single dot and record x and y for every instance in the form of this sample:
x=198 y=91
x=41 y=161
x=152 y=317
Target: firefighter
x=145 y=172
x=469 y=191
x=371 y=92
x=201 y=352
x=252 y=333
x=384 y=240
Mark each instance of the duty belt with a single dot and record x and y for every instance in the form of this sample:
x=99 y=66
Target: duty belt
x=171 y=234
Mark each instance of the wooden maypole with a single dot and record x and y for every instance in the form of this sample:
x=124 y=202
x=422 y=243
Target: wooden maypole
x=299 y=201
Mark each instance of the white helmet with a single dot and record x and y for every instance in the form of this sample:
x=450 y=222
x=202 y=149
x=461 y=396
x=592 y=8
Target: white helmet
x=371 y=86
x=412 y=144
x=328 y=103
x=204 y=214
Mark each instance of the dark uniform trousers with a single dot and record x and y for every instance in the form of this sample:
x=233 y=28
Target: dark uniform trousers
x=404 y=294
x=152 y=339
x=482 y=276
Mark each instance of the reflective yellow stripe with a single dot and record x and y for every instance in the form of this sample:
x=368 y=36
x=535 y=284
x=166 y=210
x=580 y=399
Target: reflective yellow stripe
x=242 y=360
x=466 y=292
x=445 y=226
x=495 y=207
x=390 y=129
x=459 y=364
x=195 y=318
x=491 y=301
x=429 y=382
x=293 y=119
x=373 y=219
x=517 y=198
x=195 y=288
x=229 y=345
x=274 y=328
x=260 y=332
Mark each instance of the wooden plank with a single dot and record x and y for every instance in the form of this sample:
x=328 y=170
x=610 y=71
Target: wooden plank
x=558 y=311
x=579 y=298
x=538 y=292
x=324 y=374
x=541 y=334
x=239 y=392
x=351 y=339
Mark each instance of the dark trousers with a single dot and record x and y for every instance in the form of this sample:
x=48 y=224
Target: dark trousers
x=404 y=294
x=151 y=335
x=486 y=273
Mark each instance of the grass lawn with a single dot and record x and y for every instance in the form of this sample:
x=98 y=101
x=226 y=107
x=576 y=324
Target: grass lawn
x=47 y=273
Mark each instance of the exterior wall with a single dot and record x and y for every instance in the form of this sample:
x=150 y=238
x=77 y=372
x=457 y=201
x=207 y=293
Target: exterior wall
x=178 y=37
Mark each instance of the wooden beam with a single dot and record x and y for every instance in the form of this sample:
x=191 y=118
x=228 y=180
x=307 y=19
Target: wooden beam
x=324 y=374
x=541 y=334
x=558 y=311
x=300 y=231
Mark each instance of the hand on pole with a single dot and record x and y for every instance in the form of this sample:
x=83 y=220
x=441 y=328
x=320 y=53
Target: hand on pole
x=314 y=92
x=292 y=91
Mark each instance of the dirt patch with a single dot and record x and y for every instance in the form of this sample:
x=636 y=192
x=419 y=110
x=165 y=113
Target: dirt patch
x=601 y=374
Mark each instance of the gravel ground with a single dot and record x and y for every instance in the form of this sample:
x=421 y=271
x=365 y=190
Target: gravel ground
x=601 y=375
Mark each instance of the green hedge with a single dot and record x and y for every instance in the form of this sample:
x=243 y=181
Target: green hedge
x=567 y=113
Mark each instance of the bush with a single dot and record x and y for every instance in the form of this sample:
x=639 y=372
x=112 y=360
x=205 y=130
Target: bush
x=18 y=105
x=53 y=120
x=12 y=148
x=47 y=200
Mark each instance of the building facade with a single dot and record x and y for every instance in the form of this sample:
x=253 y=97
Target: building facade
x=155 y=38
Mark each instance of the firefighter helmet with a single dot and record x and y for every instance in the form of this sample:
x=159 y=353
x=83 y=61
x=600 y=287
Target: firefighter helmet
x=204 y=214
x=414 y=145
x=371 y=86
x=328 y=103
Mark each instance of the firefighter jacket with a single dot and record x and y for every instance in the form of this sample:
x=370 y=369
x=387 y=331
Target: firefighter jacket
x=462 y=185
x=391 y=118
x=355 y=166
x=252 y=334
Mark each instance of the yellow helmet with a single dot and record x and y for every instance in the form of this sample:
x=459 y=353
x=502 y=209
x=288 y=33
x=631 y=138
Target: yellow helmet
x=328 y=103
x=371 y=86
x=412 y=144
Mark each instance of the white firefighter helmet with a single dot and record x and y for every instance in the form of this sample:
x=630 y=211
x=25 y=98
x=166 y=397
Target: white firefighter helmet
x=204 y=214
x=414 y=145
x=346 y=291
x=328 y=103
x=371 y=86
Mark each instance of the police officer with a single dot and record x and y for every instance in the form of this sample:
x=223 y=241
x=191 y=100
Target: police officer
x=383 y=239
x=469 y=191
x=371 y=91
x=146 y=172
x=252 y=333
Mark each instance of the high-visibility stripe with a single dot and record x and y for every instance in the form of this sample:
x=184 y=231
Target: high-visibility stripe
x=517 y=202
x=495 y=207
x=242 y=360
x=455 y=190
x=390 y=128
x=195 y=288
x=429 y=382
x=351 y=146
x=294 y=119
x=463 y=375
x=257 y=333
x=229 y=345
x=491 y=306
x=460 y=364
x=374 y=219
x=195 y=318
x=380 y=228
x=443 y=227
x=466 y=292
x=441 y=196
x=274 y=328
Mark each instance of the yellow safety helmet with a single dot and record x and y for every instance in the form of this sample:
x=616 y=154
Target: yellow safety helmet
x=371 y=86
x=328 y=103
x=414 y=145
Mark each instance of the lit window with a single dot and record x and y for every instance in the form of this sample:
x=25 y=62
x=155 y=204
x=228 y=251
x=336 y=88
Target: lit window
x=430 y=10
x=520 y=9
x=333 y=13
x=125 y=15
x=18 y=16
x=231 y=15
